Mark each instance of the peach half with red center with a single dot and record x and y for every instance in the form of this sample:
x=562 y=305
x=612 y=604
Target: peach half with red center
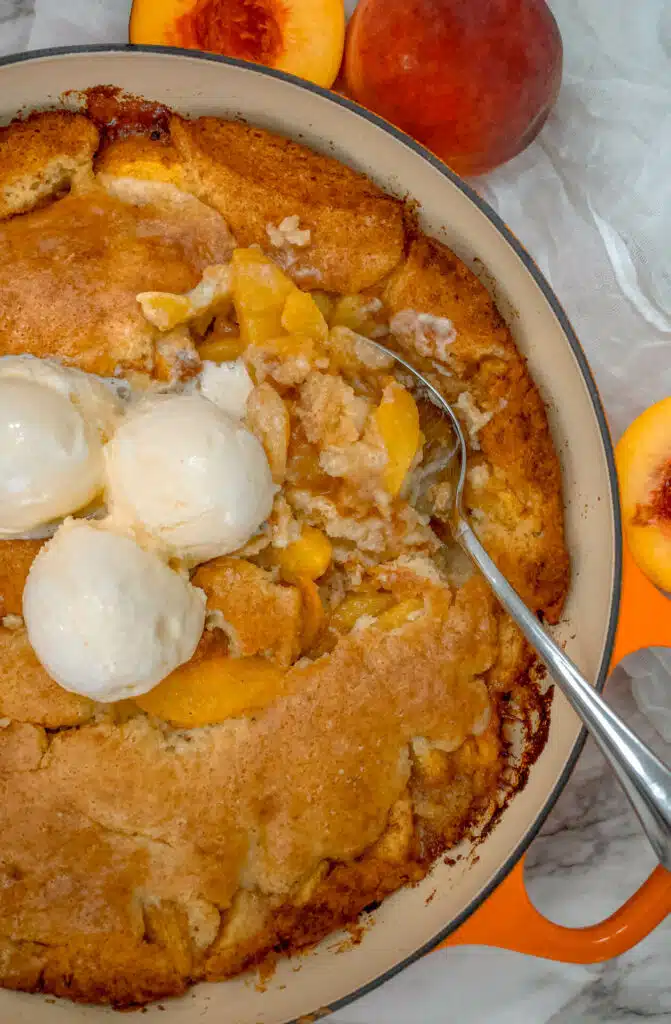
x=643 y=457
x=303 y=37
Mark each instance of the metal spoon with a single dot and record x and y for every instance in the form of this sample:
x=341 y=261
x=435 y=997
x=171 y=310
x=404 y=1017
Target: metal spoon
x=645 y=780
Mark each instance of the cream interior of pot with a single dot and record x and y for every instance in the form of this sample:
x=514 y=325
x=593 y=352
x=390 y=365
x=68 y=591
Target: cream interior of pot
x=406 y=922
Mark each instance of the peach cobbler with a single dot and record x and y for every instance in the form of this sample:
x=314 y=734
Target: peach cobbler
x=249 y=686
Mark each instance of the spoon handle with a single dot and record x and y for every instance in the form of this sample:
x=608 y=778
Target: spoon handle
x=643 y=777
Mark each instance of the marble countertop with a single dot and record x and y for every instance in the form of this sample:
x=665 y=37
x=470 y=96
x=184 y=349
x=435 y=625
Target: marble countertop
x=590 y=855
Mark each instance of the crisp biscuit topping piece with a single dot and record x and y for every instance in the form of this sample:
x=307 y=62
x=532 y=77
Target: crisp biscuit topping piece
x=42 y=154
x=288 y=232
x=12 y=621
x=166 y=310
x=430 y=335
x=79 y=304
x=474 y=417
x=478 y=476
x=330 y=412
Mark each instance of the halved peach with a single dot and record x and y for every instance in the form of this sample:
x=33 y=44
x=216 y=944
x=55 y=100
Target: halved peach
x=643 y=457
x=304 y=37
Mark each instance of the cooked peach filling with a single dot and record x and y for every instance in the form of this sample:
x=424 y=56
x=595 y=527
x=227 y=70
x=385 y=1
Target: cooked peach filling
x=397 y=419
x=309 y=556
x=342 y=435
x=205 y=692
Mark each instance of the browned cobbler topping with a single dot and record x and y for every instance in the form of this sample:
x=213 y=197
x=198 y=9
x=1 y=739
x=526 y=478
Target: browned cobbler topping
x=358 y=703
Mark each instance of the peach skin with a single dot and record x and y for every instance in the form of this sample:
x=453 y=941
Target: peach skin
x=473 y=80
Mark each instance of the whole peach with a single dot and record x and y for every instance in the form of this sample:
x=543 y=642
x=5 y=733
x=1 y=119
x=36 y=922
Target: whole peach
x=473 y=80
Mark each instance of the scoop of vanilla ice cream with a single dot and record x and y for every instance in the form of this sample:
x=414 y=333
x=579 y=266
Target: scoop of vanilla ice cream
x=107 y=619
x=190 y=475
x=100 y=400
x=53 y=422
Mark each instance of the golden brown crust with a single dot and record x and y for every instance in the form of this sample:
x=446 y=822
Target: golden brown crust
x=28 y=694
x=256 y=178
x=21 y=747
x=41 y=155
x=290 y=793
x=337 y=900
x=70 y=273
x=260 y=616
x=521 y=498
x=16 y=558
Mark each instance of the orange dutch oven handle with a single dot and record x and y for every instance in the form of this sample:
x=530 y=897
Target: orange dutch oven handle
x=507 y=918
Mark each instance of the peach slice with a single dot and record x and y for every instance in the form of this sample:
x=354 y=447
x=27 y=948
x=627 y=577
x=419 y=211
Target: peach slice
x=302 y=315
x=260 y=291
x=204 y=692
x=222 y=349
x=643 y=457
x=313 y=611
x=397 y=419
x=354 y=607
x=309 y=556
x=379 y=605
x=167 y=310
x=356 y=312
x=324 y=302
x=303 y=37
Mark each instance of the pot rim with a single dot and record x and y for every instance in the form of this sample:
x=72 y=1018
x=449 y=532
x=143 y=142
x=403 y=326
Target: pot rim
x=569 y=334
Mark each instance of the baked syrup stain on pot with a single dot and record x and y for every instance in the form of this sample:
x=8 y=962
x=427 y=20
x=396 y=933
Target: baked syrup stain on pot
x=118 y=114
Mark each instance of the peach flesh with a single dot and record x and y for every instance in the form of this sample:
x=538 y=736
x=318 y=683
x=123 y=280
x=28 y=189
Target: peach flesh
x=643 y=457
x=250 y=30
